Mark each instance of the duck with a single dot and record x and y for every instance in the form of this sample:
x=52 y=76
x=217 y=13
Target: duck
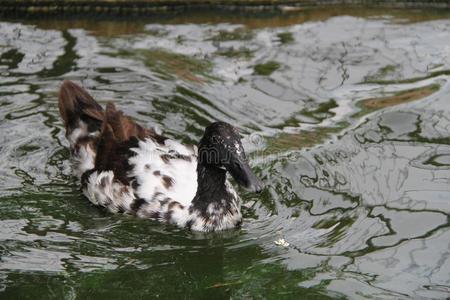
x=129 y=169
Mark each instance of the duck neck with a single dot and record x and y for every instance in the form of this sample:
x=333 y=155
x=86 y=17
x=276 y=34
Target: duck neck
x=211 y=187
x=215 y=206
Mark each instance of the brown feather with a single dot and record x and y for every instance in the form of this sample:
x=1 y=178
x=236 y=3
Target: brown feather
x=125 y=128
x=118 y=133
x=76 y=104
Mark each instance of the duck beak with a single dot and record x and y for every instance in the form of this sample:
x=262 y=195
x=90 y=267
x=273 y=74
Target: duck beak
x=244 y=176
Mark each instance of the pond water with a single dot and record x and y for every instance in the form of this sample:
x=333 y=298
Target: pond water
x=345 y=114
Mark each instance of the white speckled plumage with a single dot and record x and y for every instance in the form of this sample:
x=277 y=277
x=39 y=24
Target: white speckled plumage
x=158 y=201
x=149 y=168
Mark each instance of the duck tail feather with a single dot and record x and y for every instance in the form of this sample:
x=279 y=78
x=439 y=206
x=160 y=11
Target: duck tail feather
x=78 y=109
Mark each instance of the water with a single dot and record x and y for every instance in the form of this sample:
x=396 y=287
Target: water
x=344 y=113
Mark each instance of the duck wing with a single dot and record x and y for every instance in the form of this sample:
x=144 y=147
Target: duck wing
x=118 y=136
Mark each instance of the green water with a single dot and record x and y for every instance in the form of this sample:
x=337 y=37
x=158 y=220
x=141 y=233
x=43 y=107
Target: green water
x=344 y=113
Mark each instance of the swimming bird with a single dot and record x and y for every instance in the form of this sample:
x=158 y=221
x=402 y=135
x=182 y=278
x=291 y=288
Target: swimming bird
x=129 y=169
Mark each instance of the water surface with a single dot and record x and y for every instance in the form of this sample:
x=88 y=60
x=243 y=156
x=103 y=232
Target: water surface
x=345 y=116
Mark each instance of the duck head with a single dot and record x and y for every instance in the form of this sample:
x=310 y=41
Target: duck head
x=221 y=148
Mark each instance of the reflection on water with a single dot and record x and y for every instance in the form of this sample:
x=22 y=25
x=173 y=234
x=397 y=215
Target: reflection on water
x=345 y=118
